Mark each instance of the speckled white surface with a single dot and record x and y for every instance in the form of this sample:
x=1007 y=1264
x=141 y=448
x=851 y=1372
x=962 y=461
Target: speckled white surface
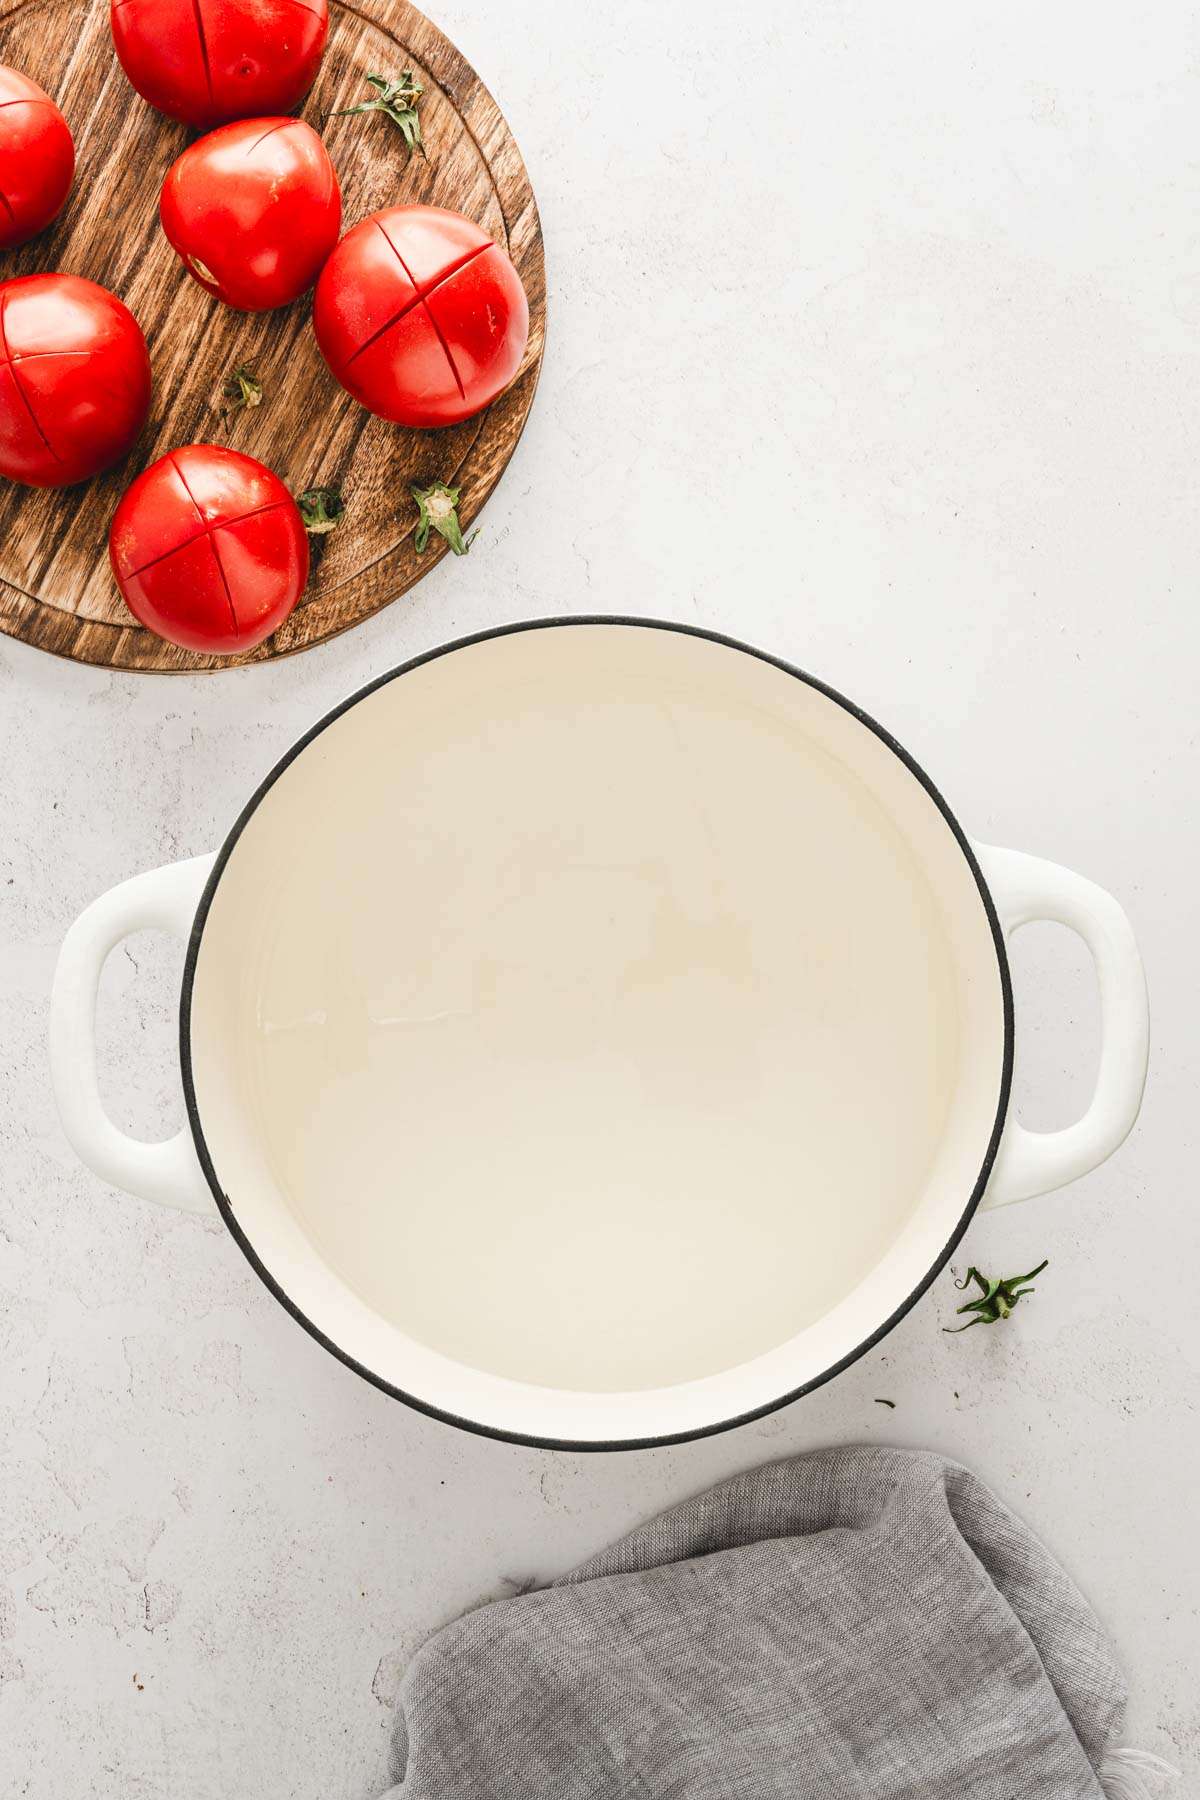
x=874 y=338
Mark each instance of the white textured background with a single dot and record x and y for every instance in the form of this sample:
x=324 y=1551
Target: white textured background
x=874 y=338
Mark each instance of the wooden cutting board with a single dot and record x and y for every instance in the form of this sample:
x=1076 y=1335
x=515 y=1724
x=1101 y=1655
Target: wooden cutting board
x=56 y=590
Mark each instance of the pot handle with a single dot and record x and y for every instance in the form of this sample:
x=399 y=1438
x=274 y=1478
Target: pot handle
x=1026 y=888
x=164 y=900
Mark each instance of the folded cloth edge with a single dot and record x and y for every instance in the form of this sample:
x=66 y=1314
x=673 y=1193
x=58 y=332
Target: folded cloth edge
x=845 y=1487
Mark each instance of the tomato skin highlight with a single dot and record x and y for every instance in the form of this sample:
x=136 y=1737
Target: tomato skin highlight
x=253 y=210
x=209 y=550
x=37 y=159
x=421 y=316
x=206 y=62
x=74 y=379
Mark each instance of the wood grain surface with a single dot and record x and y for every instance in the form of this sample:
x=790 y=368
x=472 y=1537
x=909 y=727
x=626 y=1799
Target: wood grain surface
x=56 y=589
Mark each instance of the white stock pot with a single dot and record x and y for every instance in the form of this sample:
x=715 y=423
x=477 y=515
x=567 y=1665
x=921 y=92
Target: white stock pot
x=597 y=1033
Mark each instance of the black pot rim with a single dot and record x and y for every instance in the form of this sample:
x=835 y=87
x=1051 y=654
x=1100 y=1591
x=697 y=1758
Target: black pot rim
x=527 y=1439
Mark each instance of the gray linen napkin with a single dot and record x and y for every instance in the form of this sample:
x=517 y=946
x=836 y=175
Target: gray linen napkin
x=854 y=1624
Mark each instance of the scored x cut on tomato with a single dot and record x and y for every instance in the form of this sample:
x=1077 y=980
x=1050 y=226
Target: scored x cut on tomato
x=37 y=158
x=253 y=210
x=74 y=379
x=421 y=316
x=208 y=549
x=208 y=61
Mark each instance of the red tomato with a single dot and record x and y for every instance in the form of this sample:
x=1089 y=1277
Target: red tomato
x=206 y=61
x=209 y=549
x=74 y=379
x=253 y=209
x=37 y=158
x=421 y=316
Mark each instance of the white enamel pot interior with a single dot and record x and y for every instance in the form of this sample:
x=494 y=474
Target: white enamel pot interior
x=597 y=1033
